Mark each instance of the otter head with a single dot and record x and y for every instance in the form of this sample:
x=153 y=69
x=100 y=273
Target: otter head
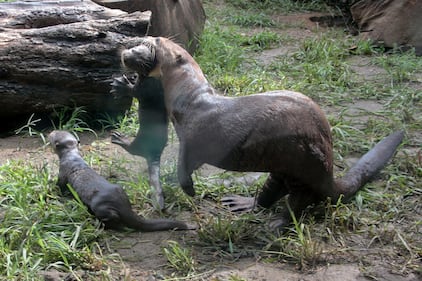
x=62 y=142
x=140 y=59
x=152 y=54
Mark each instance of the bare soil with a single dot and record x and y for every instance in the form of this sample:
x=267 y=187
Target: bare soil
x=140 y=255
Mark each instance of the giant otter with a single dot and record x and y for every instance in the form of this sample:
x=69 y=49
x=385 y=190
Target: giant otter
x=283 y=133
x=107 y=201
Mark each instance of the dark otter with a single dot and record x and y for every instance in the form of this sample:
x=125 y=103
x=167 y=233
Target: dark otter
x=107 y=201
x=281 y=132
x=153 y=123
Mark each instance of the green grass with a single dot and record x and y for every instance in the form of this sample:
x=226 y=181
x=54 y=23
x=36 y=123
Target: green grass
x=400 y=66
x=381 y=225
x=318 y=67
x=180 y=258
x=262 y=40
x=39 y=229
x=248 y=19
x=278 y=5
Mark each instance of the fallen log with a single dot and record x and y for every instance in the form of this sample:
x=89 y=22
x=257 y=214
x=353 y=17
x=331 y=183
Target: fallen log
x=62 y=54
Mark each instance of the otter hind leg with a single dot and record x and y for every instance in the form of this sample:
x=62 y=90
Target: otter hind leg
x=154 y=181
x=109 y=217
x=119 y=139
x=184 y=171
x=134 y=147
x=273 y=189
x=298 y=200
x=153 y=161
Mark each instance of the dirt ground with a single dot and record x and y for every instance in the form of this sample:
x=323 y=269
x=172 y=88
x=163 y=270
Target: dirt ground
x=140 y=254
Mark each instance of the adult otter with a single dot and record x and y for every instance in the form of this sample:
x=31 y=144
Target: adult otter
x=107 y=201
x=153 y=123
x=281 y=132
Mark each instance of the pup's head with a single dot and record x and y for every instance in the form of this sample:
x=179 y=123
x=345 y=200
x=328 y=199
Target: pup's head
x=140 y=59
x=62 y=142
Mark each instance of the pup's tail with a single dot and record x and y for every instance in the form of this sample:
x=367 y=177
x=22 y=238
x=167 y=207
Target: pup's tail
x=368 y=165
x=148 y=225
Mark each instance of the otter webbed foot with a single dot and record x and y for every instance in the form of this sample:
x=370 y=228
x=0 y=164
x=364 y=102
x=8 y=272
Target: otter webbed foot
x=279 y=223
x=237 y=203
x=118 y=138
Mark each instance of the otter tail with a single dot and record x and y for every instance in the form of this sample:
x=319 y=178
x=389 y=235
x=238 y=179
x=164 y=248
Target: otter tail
x=369 y=165
x=147 y=225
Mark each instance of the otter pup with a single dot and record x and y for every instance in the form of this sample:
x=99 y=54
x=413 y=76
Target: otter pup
x=281 y=132
x=107 y=201
x=153 y=126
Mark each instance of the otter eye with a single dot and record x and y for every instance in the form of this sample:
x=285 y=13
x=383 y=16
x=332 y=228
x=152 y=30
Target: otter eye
x=179 y=58
x=58 y=144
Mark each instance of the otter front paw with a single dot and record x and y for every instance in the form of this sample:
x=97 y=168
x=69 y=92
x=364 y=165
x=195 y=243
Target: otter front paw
x=123 y=86
x=237 y=203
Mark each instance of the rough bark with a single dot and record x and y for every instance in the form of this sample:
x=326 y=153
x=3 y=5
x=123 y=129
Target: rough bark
x=58 y=54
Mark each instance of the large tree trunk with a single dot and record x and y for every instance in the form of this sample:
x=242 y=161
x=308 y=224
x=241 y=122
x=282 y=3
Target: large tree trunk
x=62 y=54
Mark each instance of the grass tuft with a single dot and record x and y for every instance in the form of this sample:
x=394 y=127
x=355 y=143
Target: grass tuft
x=180 y=258
x=251 y=20
x=278 y=5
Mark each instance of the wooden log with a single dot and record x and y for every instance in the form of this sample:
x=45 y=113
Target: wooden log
x=46 y=13
x=62 y=54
